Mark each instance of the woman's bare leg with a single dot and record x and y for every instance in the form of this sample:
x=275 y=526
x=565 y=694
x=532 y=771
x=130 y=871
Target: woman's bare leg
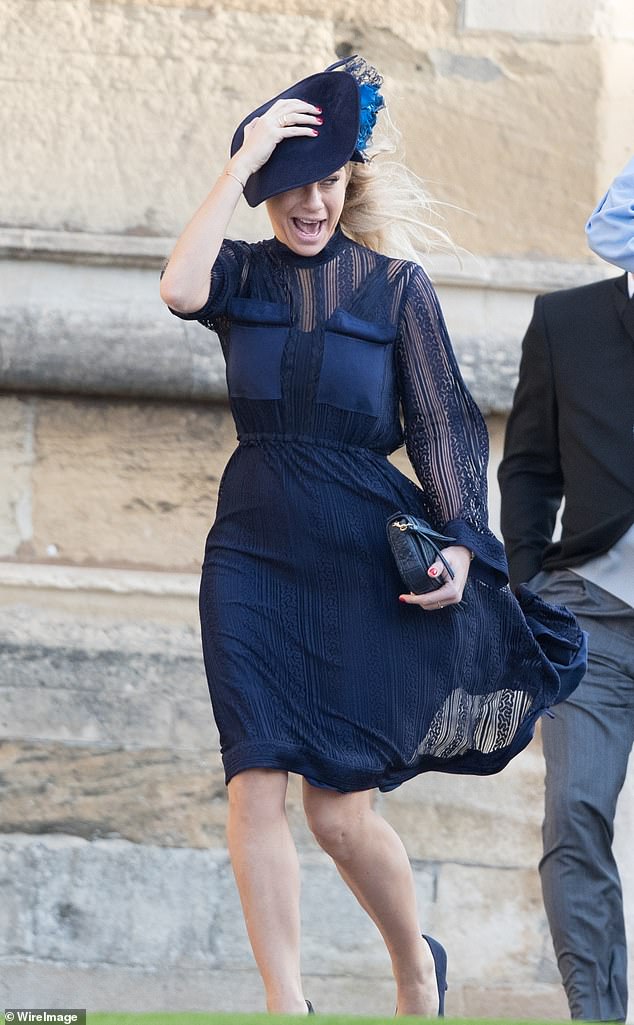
x=266 y=868
x=372 y=861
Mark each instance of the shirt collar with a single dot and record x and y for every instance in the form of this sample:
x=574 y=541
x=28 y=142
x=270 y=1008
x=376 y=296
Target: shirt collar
x=630 y=284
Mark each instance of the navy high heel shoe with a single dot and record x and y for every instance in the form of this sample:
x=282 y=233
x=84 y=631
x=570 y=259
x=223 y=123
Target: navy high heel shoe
x=311 y=1009
x=439 y=955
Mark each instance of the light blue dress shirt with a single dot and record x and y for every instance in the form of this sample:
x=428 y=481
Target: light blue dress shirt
x=610 y=230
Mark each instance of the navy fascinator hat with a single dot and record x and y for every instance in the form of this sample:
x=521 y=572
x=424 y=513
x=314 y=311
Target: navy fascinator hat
x=348 y=93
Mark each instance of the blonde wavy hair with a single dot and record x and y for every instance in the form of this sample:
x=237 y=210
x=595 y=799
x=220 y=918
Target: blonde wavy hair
x=387 y=207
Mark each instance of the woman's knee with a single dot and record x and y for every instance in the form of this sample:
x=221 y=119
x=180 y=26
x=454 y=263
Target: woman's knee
x=335 y=822
x=332 y=833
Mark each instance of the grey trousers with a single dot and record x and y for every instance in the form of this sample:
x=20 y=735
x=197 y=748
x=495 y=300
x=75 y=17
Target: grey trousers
x=586 y=746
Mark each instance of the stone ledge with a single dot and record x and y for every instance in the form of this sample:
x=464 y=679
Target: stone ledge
x=513 y=275
x=81 y=315
x=466 y=270
x=84 y=578
x=84 y=247
x=162 y=796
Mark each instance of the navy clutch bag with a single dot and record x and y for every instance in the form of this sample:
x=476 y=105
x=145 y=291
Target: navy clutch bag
x=415 y=547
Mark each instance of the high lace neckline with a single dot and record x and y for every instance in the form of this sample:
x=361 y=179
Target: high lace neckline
x=332 y=248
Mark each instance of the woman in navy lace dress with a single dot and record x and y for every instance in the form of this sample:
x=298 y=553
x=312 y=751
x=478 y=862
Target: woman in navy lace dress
x=317 y=663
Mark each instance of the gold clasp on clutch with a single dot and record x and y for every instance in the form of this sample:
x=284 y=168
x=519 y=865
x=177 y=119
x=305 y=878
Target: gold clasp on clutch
x=400 y=526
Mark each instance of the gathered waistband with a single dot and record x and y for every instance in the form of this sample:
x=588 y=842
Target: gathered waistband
x=306 y=439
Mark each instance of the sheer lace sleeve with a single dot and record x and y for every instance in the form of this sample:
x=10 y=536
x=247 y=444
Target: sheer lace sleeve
x=227 y=275
x=445 y=434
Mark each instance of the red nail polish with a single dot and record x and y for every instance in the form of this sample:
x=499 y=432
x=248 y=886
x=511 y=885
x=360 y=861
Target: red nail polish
x=401 y=598
x=320 y=120
x=320 y=109
x=314 y=132
x=433 y=572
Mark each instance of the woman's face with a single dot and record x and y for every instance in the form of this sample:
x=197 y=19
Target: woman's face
x=304 y=219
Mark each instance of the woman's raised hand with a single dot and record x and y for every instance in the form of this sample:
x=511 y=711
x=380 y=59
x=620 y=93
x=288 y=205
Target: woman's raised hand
x=284 y=120
x=185 y=284
x=459 y=558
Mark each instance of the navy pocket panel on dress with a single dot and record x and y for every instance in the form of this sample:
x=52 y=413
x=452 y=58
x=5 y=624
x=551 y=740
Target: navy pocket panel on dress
x=347 y=324
x=355 y=363
x=258 y=335
x=257 y=311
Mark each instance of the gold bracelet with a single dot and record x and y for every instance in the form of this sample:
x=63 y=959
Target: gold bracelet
x=235 y=177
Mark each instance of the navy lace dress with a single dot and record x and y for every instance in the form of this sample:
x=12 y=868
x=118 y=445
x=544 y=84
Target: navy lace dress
x=313 y=664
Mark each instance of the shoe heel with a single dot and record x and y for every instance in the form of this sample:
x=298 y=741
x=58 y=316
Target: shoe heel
x=439 y=955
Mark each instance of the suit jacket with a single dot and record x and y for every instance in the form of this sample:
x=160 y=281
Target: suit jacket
x=570 y=434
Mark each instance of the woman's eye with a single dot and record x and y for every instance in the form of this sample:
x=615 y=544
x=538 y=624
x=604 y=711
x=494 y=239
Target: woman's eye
x=330 y=181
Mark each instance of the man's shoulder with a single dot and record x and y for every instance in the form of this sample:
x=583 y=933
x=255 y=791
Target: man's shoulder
x=582 y=296
x=572 y=319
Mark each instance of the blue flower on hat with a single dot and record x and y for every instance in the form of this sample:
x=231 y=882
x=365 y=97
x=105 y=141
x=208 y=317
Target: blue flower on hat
x=369 y=81
x=371 y=103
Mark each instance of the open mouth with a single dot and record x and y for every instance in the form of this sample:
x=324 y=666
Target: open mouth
x=307 y=230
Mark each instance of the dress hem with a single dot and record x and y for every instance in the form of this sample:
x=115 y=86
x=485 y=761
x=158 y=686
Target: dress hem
x=322 y=772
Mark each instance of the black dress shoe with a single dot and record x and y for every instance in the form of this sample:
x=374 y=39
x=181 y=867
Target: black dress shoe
x=311 y=1009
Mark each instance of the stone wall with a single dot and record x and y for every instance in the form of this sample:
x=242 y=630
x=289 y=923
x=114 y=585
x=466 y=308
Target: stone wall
x=510 y=113
x=117 y=893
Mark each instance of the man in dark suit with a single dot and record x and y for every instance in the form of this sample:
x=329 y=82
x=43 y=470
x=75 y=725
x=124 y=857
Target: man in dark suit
x=570 y=436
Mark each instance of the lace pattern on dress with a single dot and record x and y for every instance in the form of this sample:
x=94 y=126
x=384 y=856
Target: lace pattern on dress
x=475 y=722
x=445 y=434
